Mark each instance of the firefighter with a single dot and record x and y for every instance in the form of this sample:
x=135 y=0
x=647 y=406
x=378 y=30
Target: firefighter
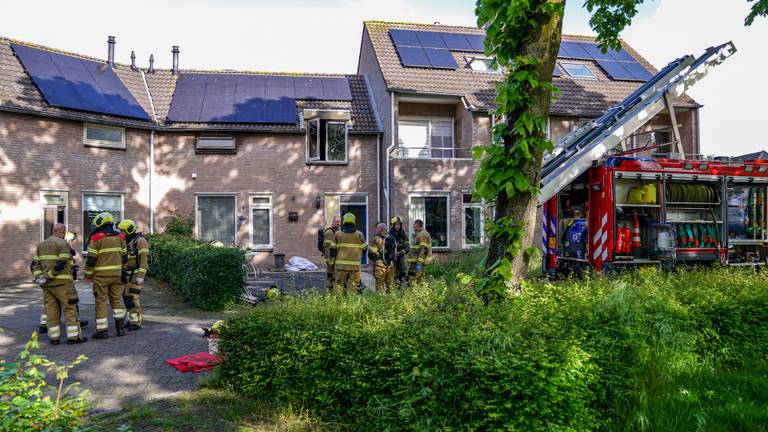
x=421 y=251
x=328 y=241
x=382 y=253
x=347 y=252
x=105 y=268
x=70 y=237
x=138 y=264
x=402 y=248
x=52 y=270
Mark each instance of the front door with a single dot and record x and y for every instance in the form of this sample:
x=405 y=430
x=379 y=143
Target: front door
x=355 y=204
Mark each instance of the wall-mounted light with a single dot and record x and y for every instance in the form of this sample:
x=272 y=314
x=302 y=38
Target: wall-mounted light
x=317 y=202
x=194 y=175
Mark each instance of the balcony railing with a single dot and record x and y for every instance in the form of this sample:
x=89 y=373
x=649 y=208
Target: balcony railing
x=432 y=153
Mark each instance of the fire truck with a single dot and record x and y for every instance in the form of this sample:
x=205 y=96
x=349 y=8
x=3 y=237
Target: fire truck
x=605 y=208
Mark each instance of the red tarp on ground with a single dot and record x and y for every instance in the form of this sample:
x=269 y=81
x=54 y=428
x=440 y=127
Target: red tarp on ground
x=197 y=362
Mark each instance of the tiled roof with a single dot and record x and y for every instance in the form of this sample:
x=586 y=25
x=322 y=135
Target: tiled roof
x=19 y=93
x=578 y=97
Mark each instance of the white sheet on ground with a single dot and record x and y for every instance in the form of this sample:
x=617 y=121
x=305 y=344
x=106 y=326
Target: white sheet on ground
x=298 y=263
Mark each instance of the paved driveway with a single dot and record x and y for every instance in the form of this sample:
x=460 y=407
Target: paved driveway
x=128 y=368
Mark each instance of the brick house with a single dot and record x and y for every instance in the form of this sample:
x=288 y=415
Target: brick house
x=434 y=109
x=266 y=184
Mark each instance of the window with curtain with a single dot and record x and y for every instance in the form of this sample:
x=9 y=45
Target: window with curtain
x=433 y=210
x=261 y=222
x=425 y=138
x=216 y=218
x=93 y=204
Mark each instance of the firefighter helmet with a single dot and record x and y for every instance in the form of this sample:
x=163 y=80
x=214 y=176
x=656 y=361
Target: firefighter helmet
x=349 y=218
x=396 y=220
x=127 y=226
x=69 y=236
x=102 y=219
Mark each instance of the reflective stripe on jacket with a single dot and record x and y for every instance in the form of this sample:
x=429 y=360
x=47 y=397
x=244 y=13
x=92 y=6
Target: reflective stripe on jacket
x=421 y=248
x=54 y=260
x=107 y=255
x=329 y=241
x=138 y=256
x=349 y=247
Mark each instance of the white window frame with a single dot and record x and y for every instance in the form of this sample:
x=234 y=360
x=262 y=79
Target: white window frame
x=270 y=206
x=591 y=76
x=102 y=143
x=412 y=218
x=213 y=194
x=215 y=136
x=43 y=205
x=316 y=159
x=478 y=205
x=429 y=137
x=489 y=61
x=82 y=209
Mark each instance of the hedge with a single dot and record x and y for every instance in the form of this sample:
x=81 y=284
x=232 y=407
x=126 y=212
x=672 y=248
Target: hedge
x=209 y=277
x=603 y=354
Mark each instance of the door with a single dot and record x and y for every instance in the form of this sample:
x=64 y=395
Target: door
x=358 y=206
x=52 y=214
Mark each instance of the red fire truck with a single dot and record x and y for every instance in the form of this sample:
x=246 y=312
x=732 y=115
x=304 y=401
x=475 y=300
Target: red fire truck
x=604 y=208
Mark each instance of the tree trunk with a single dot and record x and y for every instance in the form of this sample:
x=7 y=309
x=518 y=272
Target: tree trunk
x=544 y=45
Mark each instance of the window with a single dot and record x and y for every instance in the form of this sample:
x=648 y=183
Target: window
x=426 y=138
x=261 y=221
x=481 y=64
x=578 y=70
x=104 y=136
x=473 y=221
x=216 y=219
x=326 y=140
x=53 y=210
x=215 y=142
x=433 y=210
x=95 y=203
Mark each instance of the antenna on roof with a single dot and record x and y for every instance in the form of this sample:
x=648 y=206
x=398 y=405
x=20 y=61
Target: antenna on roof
x=111 y=51
x=151 y=64
x=133 y=60
x=175 y=51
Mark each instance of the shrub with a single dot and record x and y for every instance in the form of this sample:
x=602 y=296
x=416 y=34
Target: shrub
x=26 y=401
x=180 y=225
x=587 y=354
x=209 y=277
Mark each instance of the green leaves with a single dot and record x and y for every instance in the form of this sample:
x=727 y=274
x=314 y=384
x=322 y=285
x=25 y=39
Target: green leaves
x=760 y=8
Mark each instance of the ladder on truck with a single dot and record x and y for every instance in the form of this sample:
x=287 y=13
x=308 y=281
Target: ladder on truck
x=577 y=151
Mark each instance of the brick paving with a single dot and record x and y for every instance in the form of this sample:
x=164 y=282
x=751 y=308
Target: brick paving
x=119 y=369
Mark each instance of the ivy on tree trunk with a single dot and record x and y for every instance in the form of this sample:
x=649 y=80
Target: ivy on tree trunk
x=524 y=38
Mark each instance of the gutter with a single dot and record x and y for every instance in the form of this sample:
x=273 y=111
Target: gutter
x=391 y=147
x=151 y=156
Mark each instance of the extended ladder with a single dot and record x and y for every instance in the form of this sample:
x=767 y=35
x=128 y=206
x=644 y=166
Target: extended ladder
x=576 y=152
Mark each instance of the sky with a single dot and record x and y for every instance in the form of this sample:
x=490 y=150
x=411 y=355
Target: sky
x=324 y=36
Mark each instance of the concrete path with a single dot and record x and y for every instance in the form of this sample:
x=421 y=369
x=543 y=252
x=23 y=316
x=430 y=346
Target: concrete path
x=118 y=369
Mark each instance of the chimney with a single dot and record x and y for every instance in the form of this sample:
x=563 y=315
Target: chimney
x=175 y=51
x=111 y=51
x=133 y=60
x=151 y=64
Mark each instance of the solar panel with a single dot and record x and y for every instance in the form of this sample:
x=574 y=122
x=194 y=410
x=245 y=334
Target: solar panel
x=336 y=89
x=308 y=88
x=404 y=37
x=75 y=83
x=621 y=55
x=637 y=70
x=456 y=42
x=594 y=51
x=230 y=98
x=476 y=41
x=575 y=50
x=615 y=70
x=557 y=72
x=413 y=56
x=430 y=40
x=440 y=58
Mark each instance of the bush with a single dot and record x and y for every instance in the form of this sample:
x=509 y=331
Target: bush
x=25 y=398
x=602 y=354
x=180 y=225
x=209 y=277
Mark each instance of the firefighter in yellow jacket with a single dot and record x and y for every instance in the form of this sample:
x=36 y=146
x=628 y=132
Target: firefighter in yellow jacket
x=105 y=267
x=347 y=253
x=329 y=239
x=52 y=270
x=138 y=265
x=382 y=253
x=421 y=251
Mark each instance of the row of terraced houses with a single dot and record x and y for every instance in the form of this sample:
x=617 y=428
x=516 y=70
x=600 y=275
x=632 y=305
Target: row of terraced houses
x=263 y=160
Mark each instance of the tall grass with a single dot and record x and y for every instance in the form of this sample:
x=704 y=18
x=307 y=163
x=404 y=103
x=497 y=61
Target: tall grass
x=643 y=351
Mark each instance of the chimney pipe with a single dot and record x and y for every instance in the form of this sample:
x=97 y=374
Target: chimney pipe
x=175 y=51
x=151 y=64
x=111 y=51
x=133 y=60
